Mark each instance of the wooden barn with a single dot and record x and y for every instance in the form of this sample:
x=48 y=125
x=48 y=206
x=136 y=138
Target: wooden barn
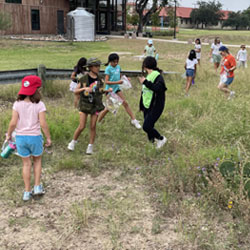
x=49 y=16
x=36 y=16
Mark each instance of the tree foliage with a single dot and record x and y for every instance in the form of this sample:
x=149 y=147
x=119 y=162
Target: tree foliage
x=237 y=20
x=140 y=6
x=208 y=13
x=5 y=21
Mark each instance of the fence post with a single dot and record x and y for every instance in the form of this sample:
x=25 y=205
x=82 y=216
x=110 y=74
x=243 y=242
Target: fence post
x=41 y=72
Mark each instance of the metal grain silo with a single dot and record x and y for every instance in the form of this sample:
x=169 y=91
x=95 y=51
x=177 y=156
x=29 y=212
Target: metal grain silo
x=80 y=25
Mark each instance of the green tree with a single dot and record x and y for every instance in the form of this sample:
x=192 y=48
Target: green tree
x=155 y=19
x=237 y=20
x=133 y=19
x=5 y=21
x=140 y=6
x=208 y=13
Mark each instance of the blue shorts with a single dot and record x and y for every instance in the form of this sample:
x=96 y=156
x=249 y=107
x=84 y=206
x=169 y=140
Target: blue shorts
x=28 y=145
x=229 y=80
x=190 y=72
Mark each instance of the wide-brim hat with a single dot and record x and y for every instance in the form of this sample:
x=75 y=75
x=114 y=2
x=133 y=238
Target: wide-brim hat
x=29 y=85
x=93 y=62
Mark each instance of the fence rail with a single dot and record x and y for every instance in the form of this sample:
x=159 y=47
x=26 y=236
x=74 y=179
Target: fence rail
x=15 y=76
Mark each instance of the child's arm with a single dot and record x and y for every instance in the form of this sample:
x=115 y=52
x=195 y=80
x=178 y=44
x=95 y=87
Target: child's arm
x=157 y=86
x=73 y=76
x=110 y=83
x=185 y=66
x=210 y=54
x=78 y=89
x=45 y=128
x=12 y=124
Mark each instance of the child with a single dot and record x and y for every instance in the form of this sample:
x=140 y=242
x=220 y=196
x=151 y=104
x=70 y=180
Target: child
x=242 y=56
x=198 y=49
x=79 y=70
x=228 y=66
x=113 y=80
x=150 y=49
x=190 y=67
x=90 y=89
x=215 y=54
x=152 y=100
x=28 y=117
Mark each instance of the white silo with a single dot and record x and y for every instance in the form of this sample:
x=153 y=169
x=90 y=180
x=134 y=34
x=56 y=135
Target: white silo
x=81 y=25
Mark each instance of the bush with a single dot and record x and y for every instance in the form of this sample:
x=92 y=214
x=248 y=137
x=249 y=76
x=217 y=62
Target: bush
x=164 y=33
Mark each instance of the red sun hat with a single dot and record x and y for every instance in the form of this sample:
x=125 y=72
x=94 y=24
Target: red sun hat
x=30 y=85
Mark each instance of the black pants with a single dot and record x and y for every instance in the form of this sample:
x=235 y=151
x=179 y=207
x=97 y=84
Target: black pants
x=150 y=118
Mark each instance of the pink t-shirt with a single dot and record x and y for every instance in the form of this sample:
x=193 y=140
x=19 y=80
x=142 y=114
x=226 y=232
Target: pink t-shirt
x=28 y=122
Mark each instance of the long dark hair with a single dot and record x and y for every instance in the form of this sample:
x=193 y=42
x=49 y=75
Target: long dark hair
x=216 y=40
x=150 y=63
x=192 y=55
x=80 y=65
x=35 y=98
x=112 y=57
x=199 y=40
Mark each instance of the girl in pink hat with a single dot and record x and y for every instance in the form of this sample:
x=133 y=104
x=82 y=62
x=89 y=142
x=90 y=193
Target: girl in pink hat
x=28 y=117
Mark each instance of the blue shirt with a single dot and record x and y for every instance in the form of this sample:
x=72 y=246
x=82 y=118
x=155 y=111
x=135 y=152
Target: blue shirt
x=114 y=74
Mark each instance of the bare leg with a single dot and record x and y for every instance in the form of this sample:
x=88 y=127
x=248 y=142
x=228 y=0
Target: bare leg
x=188 y=83
x=223 y=87
x=216 y=66
x=102 y=114
x=37 y=169
x=126 y=106
x=26 y=173
x=93 y=121
x=82 y=124
x=76 y=100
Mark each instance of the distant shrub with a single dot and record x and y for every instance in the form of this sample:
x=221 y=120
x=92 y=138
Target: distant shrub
x=164 y=33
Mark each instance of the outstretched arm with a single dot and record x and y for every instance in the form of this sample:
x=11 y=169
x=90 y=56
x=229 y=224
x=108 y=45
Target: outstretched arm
x=12 y=124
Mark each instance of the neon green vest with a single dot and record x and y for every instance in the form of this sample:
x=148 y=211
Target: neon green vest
x=147 y=94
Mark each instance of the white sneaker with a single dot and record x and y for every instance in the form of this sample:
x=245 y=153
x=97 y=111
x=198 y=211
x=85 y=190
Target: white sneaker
x=136 y=123
x=160 y=143
x=232 y=94
x=89 y=150
x=71 y=145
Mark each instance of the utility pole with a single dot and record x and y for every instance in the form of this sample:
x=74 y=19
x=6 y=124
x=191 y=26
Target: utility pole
x=174 y=19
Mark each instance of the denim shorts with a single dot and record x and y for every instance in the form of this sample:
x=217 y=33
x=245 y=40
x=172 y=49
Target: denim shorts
x=190 y=72
x=28 y=145
x=229 y=80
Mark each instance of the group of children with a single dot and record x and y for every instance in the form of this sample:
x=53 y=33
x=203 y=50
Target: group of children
x=220 y=56
x=28 y=115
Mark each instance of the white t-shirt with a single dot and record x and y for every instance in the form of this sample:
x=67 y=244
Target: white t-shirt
x=190 y=64
x=215 y=48
x=242 y=55
x=28 y=117
x=197 y=47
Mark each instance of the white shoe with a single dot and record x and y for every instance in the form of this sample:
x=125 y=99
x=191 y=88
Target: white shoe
x=89 y=150
x=136 y=123
x=71 y=145
x=160 y=143
x=232 y=94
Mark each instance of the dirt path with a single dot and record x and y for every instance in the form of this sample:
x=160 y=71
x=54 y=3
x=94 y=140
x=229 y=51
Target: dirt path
x=83 y=212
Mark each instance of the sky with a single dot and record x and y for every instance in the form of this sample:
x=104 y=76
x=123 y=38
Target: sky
x=234 y=5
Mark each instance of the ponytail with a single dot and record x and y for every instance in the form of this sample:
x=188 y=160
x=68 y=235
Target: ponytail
x=112 y=57
x=150 y=63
